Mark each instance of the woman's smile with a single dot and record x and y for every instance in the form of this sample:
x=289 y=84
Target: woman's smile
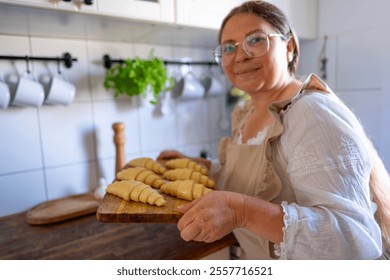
x=245 y=72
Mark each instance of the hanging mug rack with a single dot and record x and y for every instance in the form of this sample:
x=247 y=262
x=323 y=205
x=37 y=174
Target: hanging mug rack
x=108 y=61
x=66 y=58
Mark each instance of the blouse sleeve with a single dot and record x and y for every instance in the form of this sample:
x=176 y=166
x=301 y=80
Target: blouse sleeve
x=328 y=166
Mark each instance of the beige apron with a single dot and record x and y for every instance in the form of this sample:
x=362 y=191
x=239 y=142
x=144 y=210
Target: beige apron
x=247 y=169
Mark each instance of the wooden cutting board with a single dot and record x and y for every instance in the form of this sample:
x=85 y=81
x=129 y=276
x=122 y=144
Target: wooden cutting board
x=116 y=210
x=62 y=209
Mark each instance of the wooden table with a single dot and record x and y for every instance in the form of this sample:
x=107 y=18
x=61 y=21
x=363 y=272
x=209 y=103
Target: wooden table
x=86 y=238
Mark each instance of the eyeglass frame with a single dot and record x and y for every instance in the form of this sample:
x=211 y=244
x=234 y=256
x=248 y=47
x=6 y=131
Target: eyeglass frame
x=285 y=37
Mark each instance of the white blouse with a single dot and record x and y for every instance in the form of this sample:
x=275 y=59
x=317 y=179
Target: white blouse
x=324 y=164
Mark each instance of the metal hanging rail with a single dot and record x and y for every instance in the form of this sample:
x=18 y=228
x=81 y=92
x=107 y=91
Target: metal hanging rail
x=66 y=58
x=108 y=61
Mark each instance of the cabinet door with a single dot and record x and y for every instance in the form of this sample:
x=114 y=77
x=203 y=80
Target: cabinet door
x=203 y=13
x=302 y=15
x=42 y=3
x=78 y=6
x=73 y=5
x=149 y=10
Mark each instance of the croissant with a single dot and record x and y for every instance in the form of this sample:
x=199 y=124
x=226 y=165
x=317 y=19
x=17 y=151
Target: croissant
x=185 y=189
x=186 y=163
x=188 y=173
x=148 y=163
x=131 y=190
x=140 y=174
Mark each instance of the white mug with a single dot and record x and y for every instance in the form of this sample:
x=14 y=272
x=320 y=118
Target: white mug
x=189 y=87
x=61 y=91
x=5 y=94
x=29 y=92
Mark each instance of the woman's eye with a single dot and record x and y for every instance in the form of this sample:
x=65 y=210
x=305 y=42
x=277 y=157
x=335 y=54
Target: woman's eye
x=228 y=48
x=253 y=40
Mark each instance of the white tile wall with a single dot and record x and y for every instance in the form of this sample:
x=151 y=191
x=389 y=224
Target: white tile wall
x=67 y=134
x=22 y=190
x=20 y=148
x=365 y=105
x=358 y=62
x=56 y=151
x=71 y=179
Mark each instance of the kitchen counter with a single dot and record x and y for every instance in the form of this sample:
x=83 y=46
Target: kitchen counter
x=86 y=238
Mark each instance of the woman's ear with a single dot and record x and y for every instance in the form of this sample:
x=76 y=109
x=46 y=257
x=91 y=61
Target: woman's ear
x=290 y=57
x=290 y=49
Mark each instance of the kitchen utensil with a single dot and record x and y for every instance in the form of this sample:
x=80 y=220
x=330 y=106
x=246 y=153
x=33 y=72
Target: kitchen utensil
x=212 y=85
x=223 y=121
x=189 y=87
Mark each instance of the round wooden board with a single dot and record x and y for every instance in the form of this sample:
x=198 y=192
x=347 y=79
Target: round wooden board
x=62 y=209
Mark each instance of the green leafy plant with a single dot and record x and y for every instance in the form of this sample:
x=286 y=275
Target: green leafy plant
x=134 y=76
x=236 y=92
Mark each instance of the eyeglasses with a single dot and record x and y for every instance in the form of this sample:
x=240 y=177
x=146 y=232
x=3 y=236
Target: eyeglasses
x=254 y=45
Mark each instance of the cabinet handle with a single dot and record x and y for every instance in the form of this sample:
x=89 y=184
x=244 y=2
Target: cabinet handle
x=86 y=2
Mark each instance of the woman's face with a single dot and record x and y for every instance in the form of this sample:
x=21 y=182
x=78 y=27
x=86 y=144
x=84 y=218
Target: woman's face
x=255 y=74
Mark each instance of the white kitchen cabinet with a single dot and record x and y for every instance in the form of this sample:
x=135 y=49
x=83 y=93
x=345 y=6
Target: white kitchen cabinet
x=209 y=14
x=39 y=3
x=203 y=13
x=302 y=15
x=89 y=6
x=73 y=5
x=148 y=10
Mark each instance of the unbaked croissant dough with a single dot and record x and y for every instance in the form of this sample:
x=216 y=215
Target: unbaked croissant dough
x=185 y=189
x=136 y=191
x=186 y=163
x=141 y=174
x=148 y=163
x=188 y=173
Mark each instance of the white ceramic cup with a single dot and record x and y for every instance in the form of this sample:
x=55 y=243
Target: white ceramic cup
x=5 y=94
x=61 y=91
x=29 y=92
x=189 y=87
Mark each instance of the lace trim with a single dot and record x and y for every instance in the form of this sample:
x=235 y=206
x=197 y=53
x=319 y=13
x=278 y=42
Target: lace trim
x=257 y=140
x=288 y=219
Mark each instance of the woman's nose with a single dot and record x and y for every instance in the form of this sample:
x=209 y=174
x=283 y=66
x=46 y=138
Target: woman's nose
x=240 y=54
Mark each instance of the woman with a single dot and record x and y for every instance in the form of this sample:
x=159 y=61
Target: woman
x=298 y=173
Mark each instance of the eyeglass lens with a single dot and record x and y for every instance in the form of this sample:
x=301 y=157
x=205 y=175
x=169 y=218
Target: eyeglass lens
x=254 y=45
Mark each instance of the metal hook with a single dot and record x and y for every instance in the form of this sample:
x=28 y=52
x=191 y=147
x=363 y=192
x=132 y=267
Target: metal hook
x=58 y=65
x=28 y=64
x=323 y=59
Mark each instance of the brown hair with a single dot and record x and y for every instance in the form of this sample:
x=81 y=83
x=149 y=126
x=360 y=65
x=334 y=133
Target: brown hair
x=275 y=17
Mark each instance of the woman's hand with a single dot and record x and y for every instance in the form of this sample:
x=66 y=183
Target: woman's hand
x=216 y=214
x=170 y=154
x=212 y=216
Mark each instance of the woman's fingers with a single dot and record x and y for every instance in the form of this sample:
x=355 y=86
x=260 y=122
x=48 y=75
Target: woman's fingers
x=208 y=218
x=191 y=230
x=184 y=208
x=169 y=154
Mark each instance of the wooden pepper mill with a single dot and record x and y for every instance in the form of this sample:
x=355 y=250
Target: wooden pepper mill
x=119 y=141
